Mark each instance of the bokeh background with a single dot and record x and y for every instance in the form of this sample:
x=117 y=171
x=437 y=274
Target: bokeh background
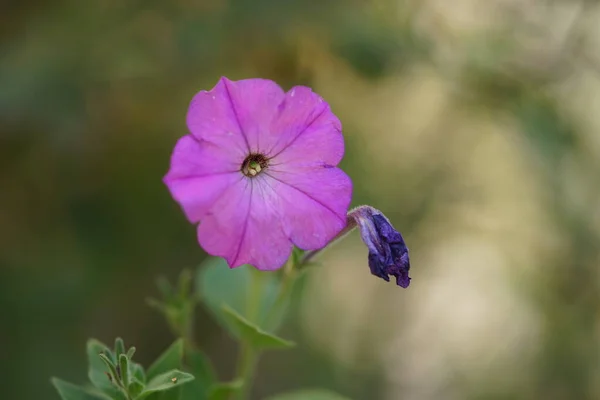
x=474 y=125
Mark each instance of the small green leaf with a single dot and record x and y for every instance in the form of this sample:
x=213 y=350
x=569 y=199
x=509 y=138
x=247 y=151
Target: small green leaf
x=245 y=330
x=170 y=359
x=168 y=380
x=205 y=377
x=135 y=387
x=125 y=371
x=164 y=286
x=217 y=284
x=119 y=347
x=309 y=394
x=97 y=369
x=138 y=372
x=68 y=391
x=110 y=366
x=130 y=353
x=174 y=394
x=184 y=284
x=201 y=367
x=224 y=390
x=177 y=303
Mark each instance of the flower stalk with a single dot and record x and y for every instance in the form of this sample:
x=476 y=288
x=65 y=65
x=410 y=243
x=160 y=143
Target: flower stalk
x=248 y=357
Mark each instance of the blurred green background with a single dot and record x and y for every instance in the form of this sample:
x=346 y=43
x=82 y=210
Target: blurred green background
x=473 y=125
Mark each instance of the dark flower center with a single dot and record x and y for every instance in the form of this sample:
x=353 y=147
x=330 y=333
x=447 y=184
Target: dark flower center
x=254 y=164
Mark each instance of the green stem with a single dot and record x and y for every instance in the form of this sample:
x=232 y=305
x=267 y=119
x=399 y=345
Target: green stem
x=124 y=388
x=287 y=283
x=248 y=357
x=189 y=300
x=246 y=366
x=187 y=333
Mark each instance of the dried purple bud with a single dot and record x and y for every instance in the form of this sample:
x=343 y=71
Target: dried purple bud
x=388 y=254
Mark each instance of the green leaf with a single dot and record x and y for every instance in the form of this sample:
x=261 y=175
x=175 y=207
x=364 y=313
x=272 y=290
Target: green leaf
x=138 y=372
x=201 y=367
x=130 y=353
x=169 y=380
x=309 y=394
x=135 y=387
x=170 y=359
x=224 y=390
x=184 y=285
x=217 y=284
x=205 y=377
x=97 y=369
x=119 y=347
x=164 y=286
x=177 y=303
x=68 y=391
x=125 y=369
x=247 y=331
x=112 y=368
x=174 y=394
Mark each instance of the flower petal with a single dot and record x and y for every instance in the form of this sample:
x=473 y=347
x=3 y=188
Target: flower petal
x=196 y=157
x=244 y=227
x=312 y=203
x=388 y=254
x=255 y=103
x=200 y=172
x=230 y=114
x=305 y=129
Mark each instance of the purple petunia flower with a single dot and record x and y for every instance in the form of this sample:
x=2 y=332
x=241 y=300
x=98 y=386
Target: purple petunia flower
x=258 y=172
x=388 y=254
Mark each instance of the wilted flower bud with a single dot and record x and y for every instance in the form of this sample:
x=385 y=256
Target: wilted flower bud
x=388 y=254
